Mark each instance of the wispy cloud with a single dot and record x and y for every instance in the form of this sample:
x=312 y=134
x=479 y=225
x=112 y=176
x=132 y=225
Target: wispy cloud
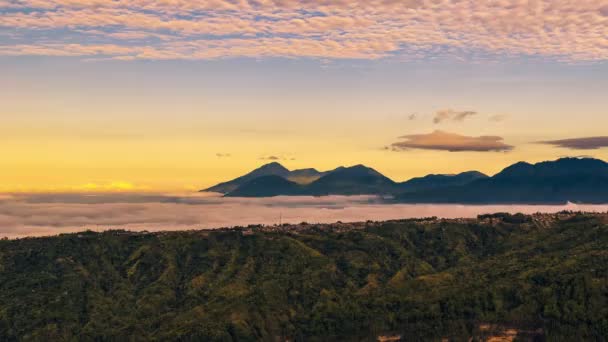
x=363 y=29
x=276 y=157
x=444 y=141
x=452 y=115
x=498 y=117
x=588 y=143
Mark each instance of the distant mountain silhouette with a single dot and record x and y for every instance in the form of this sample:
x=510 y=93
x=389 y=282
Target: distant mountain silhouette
x=273 y=168
x=355 y=180
x=305 y=176
x=439 y=181
x=302 y=176
x=583 y=180
x=564 y=180
x=266 y=186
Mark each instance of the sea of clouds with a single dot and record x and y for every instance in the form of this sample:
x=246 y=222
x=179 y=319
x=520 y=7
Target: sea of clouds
x=24 y=215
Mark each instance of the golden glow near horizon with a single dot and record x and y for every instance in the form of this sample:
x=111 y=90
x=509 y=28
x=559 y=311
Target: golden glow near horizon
x=136 y=96
x=170 y=164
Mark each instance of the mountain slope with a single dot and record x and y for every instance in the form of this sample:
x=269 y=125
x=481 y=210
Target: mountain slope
x=305 y=176
x=439 y=181
x=568 y=179
x=355 y=180
x=273 y=168
x=300 y=176
x=266 y=186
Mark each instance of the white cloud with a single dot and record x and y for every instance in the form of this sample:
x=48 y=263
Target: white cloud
x=50 y=214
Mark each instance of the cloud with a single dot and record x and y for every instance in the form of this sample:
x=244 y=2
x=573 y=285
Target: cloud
x=345 y=29
x=452 y=115
x=24 y=215
x=588 y=143
x=271 y=158
x=412 y=116
x=223 y=155
x=444 y=141
x=276 y=157
x=498 y=117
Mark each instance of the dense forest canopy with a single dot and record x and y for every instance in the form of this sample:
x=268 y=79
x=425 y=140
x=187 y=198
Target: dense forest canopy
x=539 y=277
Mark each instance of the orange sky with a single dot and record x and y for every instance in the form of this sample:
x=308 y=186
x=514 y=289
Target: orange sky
x=138 y=95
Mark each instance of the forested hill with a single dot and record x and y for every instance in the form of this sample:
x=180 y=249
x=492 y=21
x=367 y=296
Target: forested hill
x=538 y=277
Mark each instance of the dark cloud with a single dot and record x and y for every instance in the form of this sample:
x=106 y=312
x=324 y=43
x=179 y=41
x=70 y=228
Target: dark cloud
x=588 y=143
x=412 y=116
x=452 y=115
x=271 y=158
x=604 y=11
x=444 y=141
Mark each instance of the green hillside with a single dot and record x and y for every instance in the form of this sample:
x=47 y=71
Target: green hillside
x=544 y=277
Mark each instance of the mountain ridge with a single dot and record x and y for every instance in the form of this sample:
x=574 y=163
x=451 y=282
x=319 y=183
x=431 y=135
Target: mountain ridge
x=578 y=180
x=273 y=168
x=583 y=180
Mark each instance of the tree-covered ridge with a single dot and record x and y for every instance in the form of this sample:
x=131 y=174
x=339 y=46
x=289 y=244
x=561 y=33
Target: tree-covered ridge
x=542 y=276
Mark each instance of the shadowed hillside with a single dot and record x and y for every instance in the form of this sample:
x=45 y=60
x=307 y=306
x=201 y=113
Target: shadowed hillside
x=535 y=277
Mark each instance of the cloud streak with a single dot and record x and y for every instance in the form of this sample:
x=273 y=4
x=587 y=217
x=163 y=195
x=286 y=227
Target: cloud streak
x=361 y=29
x=445 y=141
x=588 y=143
x=276 y=157
x=498 y=117
x=452 y=115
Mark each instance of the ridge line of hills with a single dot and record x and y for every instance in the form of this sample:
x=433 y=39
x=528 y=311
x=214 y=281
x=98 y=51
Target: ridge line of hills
x=580 y=180
x=537 y=278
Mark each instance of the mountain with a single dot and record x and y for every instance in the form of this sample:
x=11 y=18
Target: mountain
x=583 y=180
x=273 y=168
x=439 y=181
x=266 y=186
x=305 y=176
x=301 y=176
x=355 y=180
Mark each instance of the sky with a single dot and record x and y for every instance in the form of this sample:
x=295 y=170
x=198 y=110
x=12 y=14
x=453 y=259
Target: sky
x=176 y=95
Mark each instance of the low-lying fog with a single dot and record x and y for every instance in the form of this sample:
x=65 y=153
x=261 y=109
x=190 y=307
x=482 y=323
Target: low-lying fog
x=48 y=214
